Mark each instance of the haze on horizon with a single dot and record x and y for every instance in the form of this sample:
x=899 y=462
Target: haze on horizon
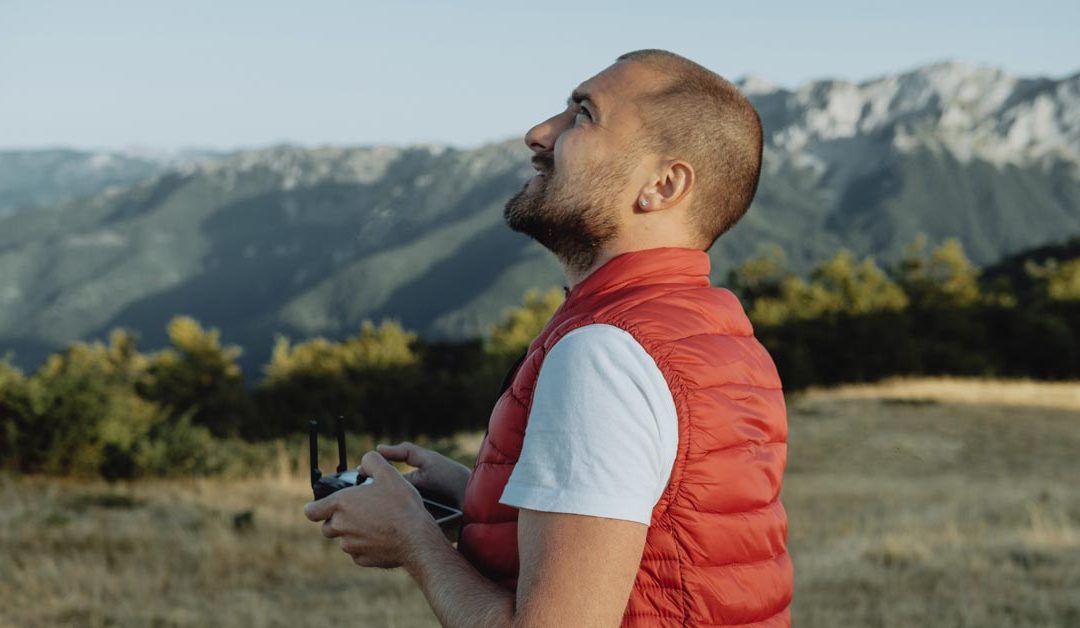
x=250 y=74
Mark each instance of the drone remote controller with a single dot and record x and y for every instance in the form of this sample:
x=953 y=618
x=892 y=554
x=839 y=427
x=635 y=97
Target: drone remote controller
x=321 y=486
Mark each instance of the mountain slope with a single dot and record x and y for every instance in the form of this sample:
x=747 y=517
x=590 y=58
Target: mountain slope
x=40 y=178
x=312 y=241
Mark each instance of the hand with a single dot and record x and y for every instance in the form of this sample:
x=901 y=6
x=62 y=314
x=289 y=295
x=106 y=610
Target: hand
x=434 y=471
x=381 y=524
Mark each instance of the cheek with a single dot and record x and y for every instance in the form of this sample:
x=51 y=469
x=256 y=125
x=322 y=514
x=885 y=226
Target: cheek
x=569 y=149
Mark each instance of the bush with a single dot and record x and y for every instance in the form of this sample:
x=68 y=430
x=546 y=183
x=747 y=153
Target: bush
x=371 y=378
x=199 y=378
x=851 y=322
x=14 y=414
x=86 y=416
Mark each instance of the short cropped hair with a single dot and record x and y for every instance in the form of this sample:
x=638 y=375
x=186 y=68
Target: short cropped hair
x=700 y=117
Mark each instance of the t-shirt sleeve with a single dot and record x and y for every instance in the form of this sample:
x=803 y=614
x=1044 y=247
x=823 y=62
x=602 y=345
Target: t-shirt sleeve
x=602 y=430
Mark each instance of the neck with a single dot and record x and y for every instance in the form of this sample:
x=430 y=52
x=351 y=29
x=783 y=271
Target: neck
x=574 y=276
x=625 y=243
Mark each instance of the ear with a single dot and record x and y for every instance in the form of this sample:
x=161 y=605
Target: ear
x=674 y=183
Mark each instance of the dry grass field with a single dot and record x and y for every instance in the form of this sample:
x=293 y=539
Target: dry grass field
x=911 y=503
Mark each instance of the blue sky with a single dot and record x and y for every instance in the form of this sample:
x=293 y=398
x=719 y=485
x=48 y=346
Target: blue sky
x=233 y=74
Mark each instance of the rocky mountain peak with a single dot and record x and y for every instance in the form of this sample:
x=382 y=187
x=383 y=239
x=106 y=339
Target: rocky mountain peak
x=971 y=111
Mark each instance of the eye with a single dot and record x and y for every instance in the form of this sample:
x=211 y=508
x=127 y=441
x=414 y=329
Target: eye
x=582 y=111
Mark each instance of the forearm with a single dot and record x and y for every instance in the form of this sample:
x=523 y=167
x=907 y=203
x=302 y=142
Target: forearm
x=456 y=591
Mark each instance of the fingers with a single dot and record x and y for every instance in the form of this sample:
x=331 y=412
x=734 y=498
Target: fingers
x=321 y=509
x=416 y=478
x=373 y=465
x=404 y=452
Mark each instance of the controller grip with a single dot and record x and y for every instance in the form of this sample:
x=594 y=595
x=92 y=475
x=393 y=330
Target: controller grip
x=437 y=505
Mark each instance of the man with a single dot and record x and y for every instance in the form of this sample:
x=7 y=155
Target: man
x=632 y=469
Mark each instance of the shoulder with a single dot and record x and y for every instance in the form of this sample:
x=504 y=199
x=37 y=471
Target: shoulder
x=597 y=343
x=601 y=432
x=602 y=369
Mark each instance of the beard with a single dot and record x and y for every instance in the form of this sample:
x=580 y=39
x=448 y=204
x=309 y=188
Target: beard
x=572 y=221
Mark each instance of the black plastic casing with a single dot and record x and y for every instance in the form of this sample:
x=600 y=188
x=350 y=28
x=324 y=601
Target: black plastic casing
x=448 y=517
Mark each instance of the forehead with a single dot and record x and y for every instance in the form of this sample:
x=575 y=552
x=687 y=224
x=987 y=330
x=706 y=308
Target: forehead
x=615 y=90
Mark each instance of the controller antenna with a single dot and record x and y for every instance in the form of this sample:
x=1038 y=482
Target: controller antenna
x=313 y=450
x=341 y=465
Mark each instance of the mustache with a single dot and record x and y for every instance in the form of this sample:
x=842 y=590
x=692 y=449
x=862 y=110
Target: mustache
x=546 y=163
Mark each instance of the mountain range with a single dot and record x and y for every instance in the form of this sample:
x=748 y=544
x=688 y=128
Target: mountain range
x=311 y=241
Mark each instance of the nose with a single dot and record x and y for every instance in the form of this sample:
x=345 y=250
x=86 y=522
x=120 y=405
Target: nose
x=541 y=138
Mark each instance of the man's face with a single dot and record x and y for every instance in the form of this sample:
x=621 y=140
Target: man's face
x=584 y=157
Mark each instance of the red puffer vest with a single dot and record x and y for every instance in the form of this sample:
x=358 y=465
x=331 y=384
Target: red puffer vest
x=715 y=553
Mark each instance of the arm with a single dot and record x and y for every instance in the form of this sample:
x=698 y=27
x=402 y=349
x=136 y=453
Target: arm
x=601 y=438
x=576 y=570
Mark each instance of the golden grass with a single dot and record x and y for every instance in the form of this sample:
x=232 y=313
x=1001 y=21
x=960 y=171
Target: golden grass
x=911 y=504
x=908 y=508
x=1001 y=392
x=183 y=553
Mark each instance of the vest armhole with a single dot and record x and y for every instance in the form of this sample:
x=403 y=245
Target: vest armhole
x=679 y=393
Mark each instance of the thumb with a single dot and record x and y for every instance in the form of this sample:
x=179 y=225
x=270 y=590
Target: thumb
x=320 y=510
x=373 y=465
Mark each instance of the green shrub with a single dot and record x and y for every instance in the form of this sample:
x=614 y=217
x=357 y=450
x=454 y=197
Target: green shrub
x=200 y=378
x=87 y=417
x=371 y=378
x=14 y=414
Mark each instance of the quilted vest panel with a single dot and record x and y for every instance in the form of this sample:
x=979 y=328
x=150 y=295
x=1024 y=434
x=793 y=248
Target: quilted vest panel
x=716 y=549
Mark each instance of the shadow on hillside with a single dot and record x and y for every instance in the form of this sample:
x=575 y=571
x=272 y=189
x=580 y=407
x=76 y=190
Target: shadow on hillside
x=457 y=280
x=26 y=354
x=264 y=251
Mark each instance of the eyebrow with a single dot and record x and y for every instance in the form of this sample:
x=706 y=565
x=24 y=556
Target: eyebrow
x=578 y=96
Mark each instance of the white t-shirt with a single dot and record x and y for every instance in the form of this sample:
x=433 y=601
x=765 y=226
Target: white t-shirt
x=602 y=432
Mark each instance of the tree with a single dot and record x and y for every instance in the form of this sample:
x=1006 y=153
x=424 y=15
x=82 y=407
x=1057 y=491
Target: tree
x=944 y=278
x=86 y=417
x=760 y=276
x=371 y=378
x=14 y=413
x=1059 y=281
x=840 y=285
x=523 y=324
x=197 y=376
